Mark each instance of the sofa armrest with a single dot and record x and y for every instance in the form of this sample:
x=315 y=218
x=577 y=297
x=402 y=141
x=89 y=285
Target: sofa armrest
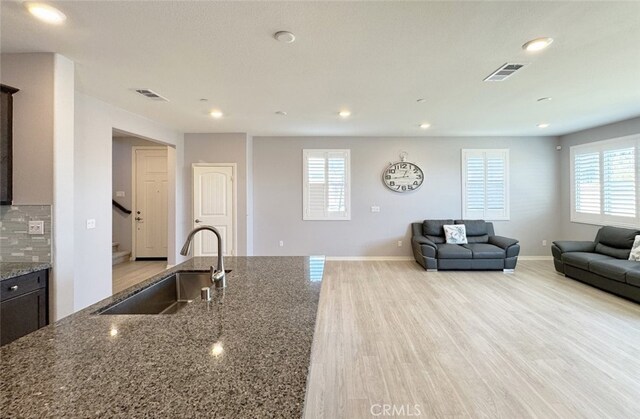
x=423 y=240
x=424 y=246
x=575 y=246
x=502 y=242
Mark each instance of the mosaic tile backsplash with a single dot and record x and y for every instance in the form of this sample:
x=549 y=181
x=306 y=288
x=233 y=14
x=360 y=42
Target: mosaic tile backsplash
x=16 y=244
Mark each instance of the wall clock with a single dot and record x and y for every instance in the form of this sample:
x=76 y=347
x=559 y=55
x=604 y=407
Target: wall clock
x=403 y=176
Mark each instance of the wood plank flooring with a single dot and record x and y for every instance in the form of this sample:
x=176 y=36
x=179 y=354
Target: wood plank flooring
x=471 y=344
x=128 y=274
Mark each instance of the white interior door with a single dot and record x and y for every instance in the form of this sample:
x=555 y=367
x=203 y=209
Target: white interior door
x=150 y=211
x=214 y=204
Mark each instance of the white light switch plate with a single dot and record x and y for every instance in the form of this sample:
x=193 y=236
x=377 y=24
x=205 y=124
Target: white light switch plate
x=36 y=227
x=375 y=208
x=120 y=193
x=91 y=223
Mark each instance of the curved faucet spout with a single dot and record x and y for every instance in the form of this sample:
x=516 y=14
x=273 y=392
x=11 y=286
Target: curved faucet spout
x=217 y=274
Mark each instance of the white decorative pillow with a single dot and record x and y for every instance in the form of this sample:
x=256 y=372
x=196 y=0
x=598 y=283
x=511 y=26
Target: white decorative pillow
x=635 y=250
x=455 y=234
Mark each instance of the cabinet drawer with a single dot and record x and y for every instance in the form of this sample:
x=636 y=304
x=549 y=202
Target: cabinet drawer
x=23 y=284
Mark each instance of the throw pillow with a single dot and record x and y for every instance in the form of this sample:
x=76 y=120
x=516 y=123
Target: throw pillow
x=455 y=234
x=635 y=249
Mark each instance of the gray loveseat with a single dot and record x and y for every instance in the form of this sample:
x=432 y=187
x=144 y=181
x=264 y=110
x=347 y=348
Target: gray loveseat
x=603 y=262
x=485 y=250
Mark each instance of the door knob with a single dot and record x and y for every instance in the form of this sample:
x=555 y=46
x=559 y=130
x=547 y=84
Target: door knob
x=198 y=221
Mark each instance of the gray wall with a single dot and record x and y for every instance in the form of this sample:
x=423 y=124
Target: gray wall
x=121 y=181
x=221 y=148
x=578 y=231
x=277 y=174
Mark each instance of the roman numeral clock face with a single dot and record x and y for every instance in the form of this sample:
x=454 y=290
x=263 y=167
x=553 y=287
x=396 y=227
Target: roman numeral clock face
x=403 y=177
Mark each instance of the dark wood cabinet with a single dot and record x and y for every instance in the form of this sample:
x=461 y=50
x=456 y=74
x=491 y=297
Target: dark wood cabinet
x=24 y=305
x=6 y=143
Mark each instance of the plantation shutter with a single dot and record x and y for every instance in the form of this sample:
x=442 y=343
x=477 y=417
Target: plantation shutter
x=587 y=182
x=619 y=174
x=485 y=184
x=326 y=185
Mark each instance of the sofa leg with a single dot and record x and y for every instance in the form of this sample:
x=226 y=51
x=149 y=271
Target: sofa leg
x=508 y=271
x=432 y=270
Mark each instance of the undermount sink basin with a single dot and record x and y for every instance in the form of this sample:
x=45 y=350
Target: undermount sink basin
x=166 y=296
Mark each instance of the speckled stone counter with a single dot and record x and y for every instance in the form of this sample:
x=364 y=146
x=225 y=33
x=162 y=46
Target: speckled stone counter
x=12 y=269
x=245 y=354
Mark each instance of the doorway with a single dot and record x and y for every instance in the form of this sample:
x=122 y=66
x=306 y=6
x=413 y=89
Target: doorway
x=126 y=271
x=214 y=203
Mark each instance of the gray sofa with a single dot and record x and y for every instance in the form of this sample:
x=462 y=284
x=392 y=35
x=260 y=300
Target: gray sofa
x=485 y=250
x=603 y=262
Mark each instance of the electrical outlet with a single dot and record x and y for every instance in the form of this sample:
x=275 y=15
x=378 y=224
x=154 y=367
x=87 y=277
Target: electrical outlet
x=91 y=223
x=544 y=242
x=281 y=243
x=36 y=227
x=399 y=243
x=375 y=208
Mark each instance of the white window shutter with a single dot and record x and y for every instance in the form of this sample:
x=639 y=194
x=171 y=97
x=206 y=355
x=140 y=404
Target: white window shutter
x=326 y=188
x=485 y=176
x=604 y=182
x=586 y=176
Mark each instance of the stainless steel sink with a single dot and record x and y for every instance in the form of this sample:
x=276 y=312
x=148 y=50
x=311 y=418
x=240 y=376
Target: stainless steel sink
x=167 y=296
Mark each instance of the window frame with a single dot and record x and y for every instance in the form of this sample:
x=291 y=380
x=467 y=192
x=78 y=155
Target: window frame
x=306 y=153
x=486 y=212
x=600 y=147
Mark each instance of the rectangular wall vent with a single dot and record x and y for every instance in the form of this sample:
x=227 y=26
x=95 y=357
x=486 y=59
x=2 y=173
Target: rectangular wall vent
x=150 y=94
x=504 y=72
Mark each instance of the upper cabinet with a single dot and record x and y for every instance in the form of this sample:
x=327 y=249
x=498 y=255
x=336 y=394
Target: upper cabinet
x=6 y=144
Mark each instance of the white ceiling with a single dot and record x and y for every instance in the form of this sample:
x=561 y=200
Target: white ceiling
x=374 y=58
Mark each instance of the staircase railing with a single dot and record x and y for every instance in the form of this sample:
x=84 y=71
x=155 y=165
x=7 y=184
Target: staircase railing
x=120 y=207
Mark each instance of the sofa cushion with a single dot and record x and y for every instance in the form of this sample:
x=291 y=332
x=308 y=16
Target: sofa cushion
x=614 y=252
x=434 y=227
x=474 y=227
x=633 y=276
x=617 y=237
x=634 y=254
x=485 y=251
x=581 y=259
x=614 y=269
x=455 y=234
x=453 y=251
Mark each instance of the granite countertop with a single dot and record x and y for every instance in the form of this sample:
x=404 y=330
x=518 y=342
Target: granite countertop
x=245 y=354
x=12 y=269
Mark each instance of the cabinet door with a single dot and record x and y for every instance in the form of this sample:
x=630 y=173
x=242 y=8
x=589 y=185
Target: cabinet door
x=22 y=315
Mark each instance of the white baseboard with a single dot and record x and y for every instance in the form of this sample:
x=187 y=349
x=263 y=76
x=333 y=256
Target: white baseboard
x=404 y=258
x=535 y=257
x=370 y=258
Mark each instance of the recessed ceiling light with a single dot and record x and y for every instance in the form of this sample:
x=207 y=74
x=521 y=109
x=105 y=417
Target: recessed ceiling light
x=537 y=44
x=543 y=125
x=421 y=100
x=216 y=114
x=425 y=125
x=284 y=36
x=345 y=114
x=544 y=99
x=46 y=13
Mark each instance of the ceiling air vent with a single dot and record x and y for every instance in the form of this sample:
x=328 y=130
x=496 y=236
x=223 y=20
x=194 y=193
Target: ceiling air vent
x=504 y=72
x=150 y=94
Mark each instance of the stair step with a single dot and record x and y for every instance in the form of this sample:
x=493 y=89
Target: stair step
x=114 y=246
x=119 y=257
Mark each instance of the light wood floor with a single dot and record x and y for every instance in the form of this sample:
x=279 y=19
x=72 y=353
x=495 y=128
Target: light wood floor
x=465 y=344
x=128 y=274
